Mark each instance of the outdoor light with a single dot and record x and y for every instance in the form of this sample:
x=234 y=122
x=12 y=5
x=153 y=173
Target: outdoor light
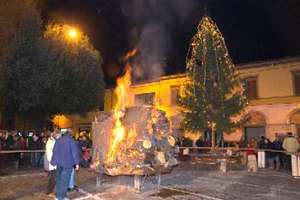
x=72 y=33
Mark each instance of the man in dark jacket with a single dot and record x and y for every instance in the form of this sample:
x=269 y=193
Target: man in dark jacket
x=277 y=145
x=36 y=144
x=65 y=156
x=265 y=143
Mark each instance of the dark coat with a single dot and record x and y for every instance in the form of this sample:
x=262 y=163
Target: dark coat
x=65 y=152
x=37 y=145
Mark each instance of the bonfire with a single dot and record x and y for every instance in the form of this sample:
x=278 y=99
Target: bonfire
x=132 y=140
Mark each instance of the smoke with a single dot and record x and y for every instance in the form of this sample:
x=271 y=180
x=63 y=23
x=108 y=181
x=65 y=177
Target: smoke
x=151 y=24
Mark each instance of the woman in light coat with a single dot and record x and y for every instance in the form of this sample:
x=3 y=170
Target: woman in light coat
x=48 y=156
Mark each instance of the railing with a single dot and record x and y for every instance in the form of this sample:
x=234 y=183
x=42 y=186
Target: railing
x=20 y=151
x=293 y=159
x=12 y=160
x=261 y=158
x=237 y=149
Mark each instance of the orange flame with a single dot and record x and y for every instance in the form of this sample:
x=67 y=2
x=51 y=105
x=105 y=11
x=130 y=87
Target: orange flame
x=131 y=137
x=119 y=133
x=131 y=54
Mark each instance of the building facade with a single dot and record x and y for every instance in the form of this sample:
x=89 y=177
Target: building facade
x=272 y=88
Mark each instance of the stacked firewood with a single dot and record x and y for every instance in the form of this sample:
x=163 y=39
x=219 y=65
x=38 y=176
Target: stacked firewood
x=151 y=148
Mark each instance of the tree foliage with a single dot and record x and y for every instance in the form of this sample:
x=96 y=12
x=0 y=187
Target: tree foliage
x=79 y=77
x=22 y=28
x=13 y=14
x=44 y=73
x=213 y=93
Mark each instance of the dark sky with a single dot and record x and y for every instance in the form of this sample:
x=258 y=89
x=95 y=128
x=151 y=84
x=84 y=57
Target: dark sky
x=253 y=29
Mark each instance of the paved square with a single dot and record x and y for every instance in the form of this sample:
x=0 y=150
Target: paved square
x=188 y=181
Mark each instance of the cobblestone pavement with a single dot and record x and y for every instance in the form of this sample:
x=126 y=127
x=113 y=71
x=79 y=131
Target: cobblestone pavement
x=188 y=181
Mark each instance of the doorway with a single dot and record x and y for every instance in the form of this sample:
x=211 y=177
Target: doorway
x=254 y=132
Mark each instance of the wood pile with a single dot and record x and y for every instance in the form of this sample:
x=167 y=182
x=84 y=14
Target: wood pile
x=151 y=149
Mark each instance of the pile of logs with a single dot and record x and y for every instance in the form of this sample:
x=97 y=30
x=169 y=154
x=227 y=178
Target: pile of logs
x=151 y=150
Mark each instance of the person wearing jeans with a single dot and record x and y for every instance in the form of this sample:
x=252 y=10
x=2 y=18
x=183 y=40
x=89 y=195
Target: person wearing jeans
x=63 y=175
x=65 y=156
x=72 y=185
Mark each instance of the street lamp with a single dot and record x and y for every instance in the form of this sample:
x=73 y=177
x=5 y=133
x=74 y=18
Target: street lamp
x=72 y=33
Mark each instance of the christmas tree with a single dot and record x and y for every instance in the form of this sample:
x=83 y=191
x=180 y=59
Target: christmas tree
x=213 y=93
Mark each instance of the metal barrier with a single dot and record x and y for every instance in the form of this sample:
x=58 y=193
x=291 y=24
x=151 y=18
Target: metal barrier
x=20 y=151
x=294 y=159
x=261 y=154
x=11 y=160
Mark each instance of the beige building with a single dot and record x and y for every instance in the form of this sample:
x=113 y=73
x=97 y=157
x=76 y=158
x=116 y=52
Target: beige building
x=272 y=87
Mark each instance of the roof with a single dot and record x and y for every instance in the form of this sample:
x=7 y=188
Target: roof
x=267 y=63
x=257 y=64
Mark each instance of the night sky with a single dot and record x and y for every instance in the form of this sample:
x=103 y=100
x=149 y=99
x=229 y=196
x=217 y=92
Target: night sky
x=254 y=30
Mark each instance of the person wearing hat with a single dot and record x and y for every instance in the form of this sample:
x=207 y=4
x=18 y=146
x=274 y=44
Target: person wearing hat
x=65 y=156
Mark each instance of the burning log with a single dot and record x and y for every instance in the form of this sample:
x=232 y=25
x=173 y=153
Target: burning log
x=135 y=140
x=146 y=147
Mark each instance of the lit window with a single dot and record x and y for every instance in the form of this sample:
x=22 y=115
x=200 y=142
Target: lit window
x=144 y=99
x=250 y=86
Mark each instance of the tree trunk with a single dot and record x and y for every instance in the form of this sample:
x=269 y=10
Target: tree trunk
x=213 y=139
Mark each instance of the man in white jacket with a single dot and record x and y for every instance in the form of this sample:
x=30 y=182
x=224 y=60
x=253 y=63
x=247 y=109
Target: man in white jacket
x=48 y=156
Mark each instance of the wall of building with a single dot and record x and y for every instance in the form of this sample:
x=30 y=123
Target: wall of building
x=277 y=120
x=275 y=101
x=273 y=80
x=161 y=88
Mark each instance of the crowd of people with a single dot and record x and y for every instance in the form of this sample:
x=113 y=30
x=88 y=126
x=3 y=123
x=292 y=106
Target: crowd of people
x=62 y=158
x=277 y=152
x=18 y=141
x=62 y=154
x=36 y=141
x=275 y=158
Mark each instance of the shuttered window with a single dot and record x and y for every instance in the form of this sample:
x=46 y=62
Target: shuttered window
x=297 y=83
x=250 y=85
x=298 y=130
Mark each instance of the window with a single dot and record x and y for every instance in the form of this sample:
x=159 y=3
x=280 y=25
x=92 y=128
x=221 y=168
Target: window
x=295 y=119
x=144 y=99
x=101 y=107
x=297 y=83
x=174 y=95
x=250 y=85
x=254 y=132
x=298 y=130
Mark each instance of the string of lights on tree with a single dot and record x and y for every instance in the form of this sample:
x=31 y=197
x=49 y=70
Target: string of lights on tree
x=213 y=92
